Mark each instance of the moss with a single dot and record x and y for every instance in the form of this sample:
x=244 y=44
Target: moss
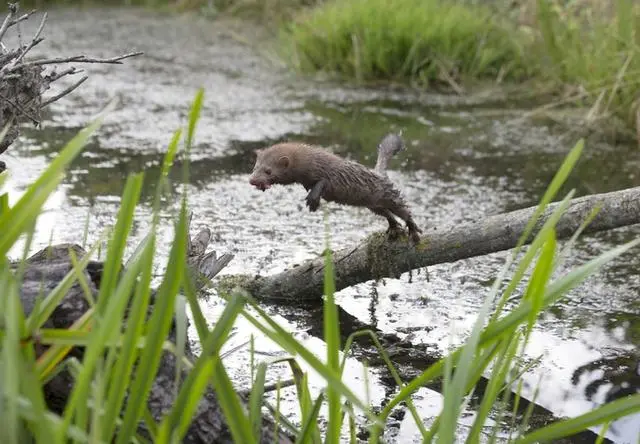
x=226 y=284
x=378 y=250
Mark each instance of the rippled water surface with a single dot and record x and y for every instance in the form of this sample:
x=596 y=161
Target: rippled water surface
x=463 y=163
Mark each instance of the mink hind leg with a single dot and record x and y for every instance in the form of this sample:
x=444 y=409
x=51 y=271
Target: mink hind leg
x=403 y=213
x=395 y=230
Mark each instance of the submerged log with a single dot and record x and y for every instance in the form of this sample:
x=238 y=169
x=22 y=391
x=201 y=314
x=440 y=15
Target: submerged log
x=377 y=257
x=44 y=271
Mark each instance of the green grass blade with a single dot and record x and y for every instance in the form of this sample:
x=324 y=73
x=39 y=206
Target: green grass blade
x=496 y=329
x=311 y=422
x=455 y=391
x=332 y=340
x=45 y=308
x=255 y=400
x=608 y=412
x=540 y=278
x=24 y=213
x=111 y=318
x=11 y=356
x=118 y=242
x=133 y=333
x=234 y=414
x=194 y=116
x=55 y=354
x=4 y=202
x=32 y=389
x=304 y=398
x=194 y=385
x=552 y=190
x=158 y=328
x=283 y=338
x=529 y=256
x=506 y=352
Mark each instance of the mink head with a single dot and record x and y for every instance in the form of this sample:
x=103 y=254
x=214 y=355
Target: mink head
x=273 y=166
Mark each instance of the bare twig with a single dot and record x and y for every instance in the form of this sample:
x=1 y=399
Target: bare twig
x=53 y=76
x=36 y=39
x=64 y=92
x=270 y=387
x=78 y=59
x=19 y=108
x=22 y=18
x=13 y=8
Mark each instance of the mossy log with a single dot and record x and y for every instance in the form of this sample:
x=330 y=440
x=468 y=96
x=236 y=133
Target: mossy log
x=377 y=257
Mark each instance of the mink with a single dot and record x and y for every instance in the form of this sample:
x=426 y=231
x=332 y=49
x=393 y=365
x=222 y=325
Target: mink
x=335 y=179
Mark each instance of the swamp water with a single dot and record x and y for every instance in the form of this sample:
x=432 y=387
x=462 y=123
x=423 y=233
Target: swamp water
x=463 y=163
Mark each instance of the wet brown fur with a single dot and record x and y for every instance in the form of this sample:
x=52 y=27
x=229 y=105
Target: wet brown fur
x=328 y=176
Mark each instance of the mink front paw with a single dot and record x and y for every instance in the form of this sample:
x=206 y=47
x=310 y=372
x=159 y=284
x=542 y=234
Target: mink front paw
x=312 y=202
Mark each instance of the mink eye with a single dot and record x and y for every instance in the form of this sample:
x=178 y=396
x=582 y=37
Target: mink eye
x=268 y=171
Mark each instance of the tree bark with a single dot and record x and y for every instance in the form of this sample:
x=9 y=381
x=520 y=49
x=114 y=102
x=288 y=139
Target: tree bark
x=378 y=257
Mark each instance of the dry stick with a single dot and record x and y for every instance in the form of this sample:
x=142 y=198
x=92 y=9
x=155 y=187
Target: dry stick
x=63 y=93
x=379 y=258
x=34 y=41
x=13 y=8
x=78 y=59
x=53 y=76
x=22 y=18
x=19 y=108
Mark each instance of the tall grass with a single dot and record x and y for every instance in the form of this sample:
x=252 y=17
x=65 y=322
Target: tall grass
x=586 y=50
x=593 y=48
x=123 y=346
x=422 y=41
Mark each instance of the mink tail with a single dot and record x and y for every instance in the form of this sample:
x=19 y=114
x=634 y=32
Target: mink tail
x=388 y=147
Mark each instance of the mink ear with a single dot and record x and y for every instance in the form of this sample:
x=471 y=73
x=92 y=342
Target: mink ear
x=258 y=151
x=284 y=162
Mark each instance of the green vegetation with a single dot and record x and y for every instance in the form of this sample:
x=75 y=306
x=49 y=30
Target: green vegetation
x=585 y=50
x=115 y=337
x=417 y=40
x=592 y=50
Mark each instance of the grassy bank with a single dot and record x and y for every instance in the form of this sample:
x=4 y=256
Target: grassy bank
x=421 y=41
x=109 y=393
x=586 y=51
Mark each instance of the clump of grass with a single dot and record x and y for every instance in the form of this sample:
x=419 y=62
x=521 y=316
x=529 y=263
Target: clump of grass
x=421 y=41
x=592 y=49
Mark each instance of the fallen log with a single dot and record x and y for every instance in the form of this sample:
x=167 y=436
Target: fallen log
x=45 y=270
x=377 y=257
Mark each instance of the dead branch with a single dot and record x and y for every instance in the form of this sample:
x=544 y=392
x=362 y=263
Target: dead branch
x=64 y=92
x=13 y=9
x=378 y=258
x=23 y=82
x=77 y=59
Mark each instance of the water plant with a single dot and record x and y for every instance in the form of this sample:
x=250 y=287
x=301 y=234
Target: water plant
x=115 y=337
